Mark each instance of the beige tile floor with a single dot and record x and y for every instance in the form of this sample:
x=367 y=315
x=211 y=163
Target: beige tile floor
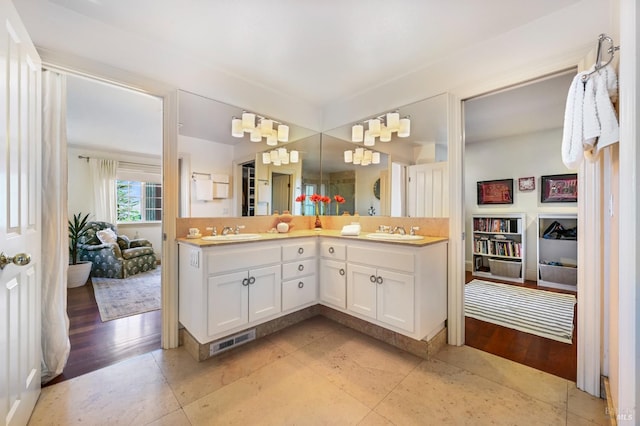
x=317 y=372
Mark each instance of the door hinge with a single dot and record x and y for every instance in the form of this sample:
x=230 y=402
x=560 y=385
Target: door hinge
x=463 y=236
x=164 y=236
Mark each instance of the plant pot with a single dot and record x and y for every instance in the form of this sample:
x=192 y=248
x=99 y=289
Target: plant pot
x=78 y=274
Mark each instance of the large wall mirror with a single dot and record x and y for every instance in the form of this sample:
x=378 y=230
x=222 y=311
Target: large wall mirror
x=404 y=177
x=411 y=176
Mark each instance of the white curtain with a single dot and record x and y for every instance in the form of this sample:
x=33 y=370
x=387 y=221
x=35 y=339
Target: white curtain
x=103 y=174
x=55 y=242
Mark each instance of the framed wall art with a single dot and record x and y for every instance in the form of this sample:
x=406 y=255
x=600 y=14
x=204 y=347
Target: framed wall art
x=559 y=188
x=495 y=192
x=527 y=183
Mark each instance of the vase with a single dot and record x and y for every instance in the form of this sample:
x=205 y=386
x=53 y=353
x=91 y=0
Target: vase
x=318 y=224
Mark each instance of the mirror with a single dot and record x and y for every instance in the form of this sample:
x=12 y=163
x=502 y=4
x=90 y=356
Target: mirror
x=412 y=177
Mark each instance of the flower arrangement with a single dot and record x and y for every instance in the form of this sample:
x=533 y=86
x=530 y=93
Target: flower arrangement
x=339 y=200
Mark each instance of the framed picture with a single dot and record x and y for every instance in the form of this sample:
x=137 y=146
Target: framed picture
x=559 y=188
x=527 y=183
x=495 y=192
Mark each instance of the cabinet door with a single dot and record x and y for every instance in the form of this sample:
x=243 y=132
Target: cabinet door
x=332 y=283
x=395 y=299
x=265 y=293
x=228 y=297
x=361 y=290
x=299 y=292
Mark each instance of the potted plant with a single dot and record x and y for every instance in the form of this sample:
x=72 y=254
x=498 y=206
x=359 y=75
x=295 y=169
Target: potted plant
x=79 y=271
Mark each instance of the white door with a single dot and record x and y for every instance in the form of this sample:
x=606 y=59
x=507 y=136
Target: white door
x=228 y=301
x=19 y=220
x=428 y=190
x=361 y=290
x=396 y=299
x=265 y=292
x=332 y=283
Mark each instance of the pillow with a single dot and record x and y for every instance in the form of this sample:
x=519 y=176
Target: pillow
x=107 y=236
x=123 y=242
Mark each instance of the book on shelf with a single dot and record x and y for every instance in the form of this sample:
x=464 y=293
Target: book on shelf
x=488 y=224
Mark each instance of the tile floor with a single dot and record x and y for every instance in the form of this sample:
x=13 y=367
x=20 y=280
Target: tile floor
x=317 y=372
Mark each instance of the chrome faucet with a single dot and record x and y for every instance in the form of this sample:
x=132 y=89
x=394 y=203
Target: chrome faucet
x=237 y=229
x=226 y=230
x=413 y=230
x=399 y=229
x=384 y=228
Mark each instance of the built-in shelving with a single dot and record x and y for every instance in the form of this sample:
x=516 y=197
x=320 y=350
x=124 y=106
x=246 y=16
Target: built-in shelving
x=499 y=246
x=558 y=251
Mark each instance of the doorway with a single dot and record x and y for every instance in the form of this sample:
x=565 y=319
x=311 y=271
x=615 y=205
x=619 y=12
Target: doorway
x=513 y=134
x=107 y=121
x=281 y=196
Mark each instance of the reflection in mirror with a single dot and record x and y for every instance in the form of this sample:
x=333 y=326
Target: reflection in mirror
x=414 y=181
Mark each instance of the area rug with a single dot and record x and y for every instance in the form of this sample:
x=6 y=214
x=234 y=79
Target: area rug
x=543 y=313
x=119 y=298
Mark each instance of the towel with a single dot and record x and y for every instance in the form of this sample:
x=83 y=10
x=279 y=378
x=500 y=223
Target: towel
x=572 y=150
x=220 y=190
x=352 y=230
x=264 y=192
x=607 y=123
x=204 y=189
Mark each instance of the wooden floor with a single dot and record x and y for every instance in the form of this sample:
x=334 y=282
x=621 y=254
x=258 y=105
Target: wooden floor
x=96 y=344
x=548 y=355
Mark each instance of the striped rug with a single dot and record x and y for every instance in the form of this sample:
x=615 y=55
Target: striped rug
x=538 y=312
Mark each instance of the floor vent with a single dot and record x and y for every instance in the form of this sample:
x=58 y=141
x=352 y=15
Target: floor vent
x=232 y=342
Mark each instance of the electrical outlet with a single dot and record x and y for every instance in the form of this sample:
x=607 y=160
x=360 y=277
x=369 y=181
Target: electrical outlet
x=194 y=259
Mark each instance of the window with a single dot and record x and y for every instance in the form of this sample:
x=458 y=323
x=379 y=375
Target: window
x=139 y=201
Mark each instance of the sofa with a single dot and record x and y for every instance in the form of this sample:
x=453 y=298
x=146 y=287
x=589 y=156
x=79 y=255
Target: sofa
x=113 y=255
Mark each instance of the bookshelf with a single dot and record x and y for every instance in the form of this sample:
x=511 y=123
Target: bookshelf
x=499 y=243
x=558 y=251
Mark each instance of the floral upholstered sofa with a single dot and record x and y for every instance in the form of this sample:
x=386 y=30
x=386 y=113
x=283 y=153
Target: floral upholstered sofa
x=113 y=255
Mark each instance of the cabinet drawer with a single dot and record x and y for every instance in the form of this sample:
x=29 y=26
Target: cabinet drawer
x=298 y=269
x=331 y=250
x=298 y=292
x=393 y=259
x=301 y=250
x=246 y=258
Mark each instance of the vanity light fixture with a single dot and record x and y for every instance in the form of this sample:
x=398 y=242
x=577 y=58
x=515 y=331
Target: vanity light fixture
x=259 y=127
x=361 y=156
x=381 y=127
x=280 y=156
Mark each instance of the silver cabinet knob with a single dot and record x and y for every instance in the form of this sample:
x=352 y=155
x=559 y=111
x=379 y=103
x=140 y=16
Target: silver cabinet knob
x=19 y=259
x=300 y=268
x=300 y=250
x=331 y=250
x=341 y=271
x=372 y=278
x=300 y=284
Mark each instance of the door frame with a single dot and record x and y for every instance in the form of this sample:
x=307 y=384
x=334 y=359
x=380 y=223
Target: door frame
x=170 y=183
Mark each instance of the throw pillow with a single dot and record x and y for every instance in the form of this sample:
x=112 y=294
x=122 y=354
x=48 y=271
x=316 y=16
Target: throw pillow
x=123 y=242
x=107 y=236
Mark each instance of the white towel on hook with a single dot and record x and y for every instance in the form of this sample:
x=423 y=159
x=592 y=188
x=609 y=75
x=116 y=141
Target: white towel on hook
x=572 y=134
x=606 y=85
x=204 y=189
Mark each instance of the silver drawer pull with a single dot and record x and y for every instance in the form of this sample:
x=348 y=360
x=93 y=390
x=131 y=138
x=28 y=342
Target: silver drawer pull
x=379 y=280
x=252 y=280
x=300 y=284
x=245 y=281
x=300 y=250
x=300 y=268
x=372 y=278
x=341 y=271
x=331 y=250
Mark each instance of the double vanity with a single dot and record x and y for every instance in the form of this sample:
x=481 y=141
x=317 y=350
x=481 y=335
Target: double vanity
x=232 y=283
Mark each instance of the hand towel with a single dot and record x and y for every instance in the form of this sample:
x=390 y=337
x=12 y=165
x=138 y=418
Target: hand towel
x=204 y=189
x=351 y=230
x=602 y=115
x=572 y=134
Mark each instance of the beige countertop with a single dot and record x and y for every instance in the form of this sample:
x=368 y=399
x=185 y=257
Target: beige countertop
x=267 y=236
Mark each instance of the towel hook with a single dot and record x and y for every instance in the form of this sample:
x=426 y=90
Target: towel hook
x=597 y=67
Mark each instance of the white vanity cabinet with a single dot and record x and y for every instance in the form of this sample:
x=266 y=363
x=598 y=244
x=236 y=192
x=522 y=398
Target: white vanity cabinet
x=400 y=288
x=299 y=278
x=333 y=271
x=223 y=289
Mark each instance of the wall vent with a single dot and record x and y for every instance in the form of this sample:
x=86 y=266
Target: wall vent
x=231 y=342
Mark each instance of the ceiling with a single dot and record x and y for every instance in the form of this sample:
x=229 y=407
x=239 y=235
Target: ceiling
x=309 y=51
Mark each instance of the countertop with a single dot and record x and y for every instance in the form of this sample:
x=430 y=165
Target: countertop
x=268 y=236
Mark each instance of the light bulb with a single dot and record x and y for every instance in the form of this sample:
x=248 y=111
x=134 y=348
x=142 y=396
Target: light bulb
x=283 y=133
x=405 y=128
x=236 y=128
x=248 y=121
x=357 y=133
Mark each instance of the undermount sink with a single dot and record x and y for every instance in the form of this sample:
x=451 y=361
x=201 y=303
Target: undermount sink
x=232 y=237
x=393 y=237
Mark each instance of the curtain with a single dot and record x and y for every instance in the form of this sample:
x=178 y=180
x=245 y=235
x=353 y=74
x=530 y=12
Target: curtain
x=103 y=174
x=55 y=250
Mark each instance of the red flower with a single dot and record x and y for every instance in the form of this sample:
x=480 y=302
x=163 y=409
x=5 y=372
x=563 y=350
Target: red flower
x=325 y=199
x=315 y=198
x=300 y=198
x=339 y=199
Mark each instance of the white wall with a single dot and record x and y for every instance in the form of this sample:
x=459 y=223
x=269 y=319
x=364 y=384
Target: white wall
x=365 y=178
x=80 y=191
x=205 y=156
x=533 y=154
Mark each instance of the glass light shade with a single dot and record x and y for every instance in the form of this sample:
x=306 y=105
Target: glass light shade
x=405 y=128
x=272 y=140
x=357 y=133
x=358 y=154
x=374 y=127
x=248 y=121
x=348 y=156
x=357 y=160
x=255 y=135
x=266 y=127
x=274 y=155
x=294 y=156
x=285 y=158
x=277 y=162
x=375 y=158
x=282 y=152
x=393 y=121
x=385 y=134
x=236 y=128
x=266 y=158
x=367 y=155
x=283 y=133
x=369 y=140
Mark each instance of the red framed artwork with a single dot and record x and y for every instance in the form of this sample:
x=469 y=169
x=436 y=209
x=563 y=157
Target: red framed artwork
x=495 y=192
x=527 y=183
x=559 y=188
